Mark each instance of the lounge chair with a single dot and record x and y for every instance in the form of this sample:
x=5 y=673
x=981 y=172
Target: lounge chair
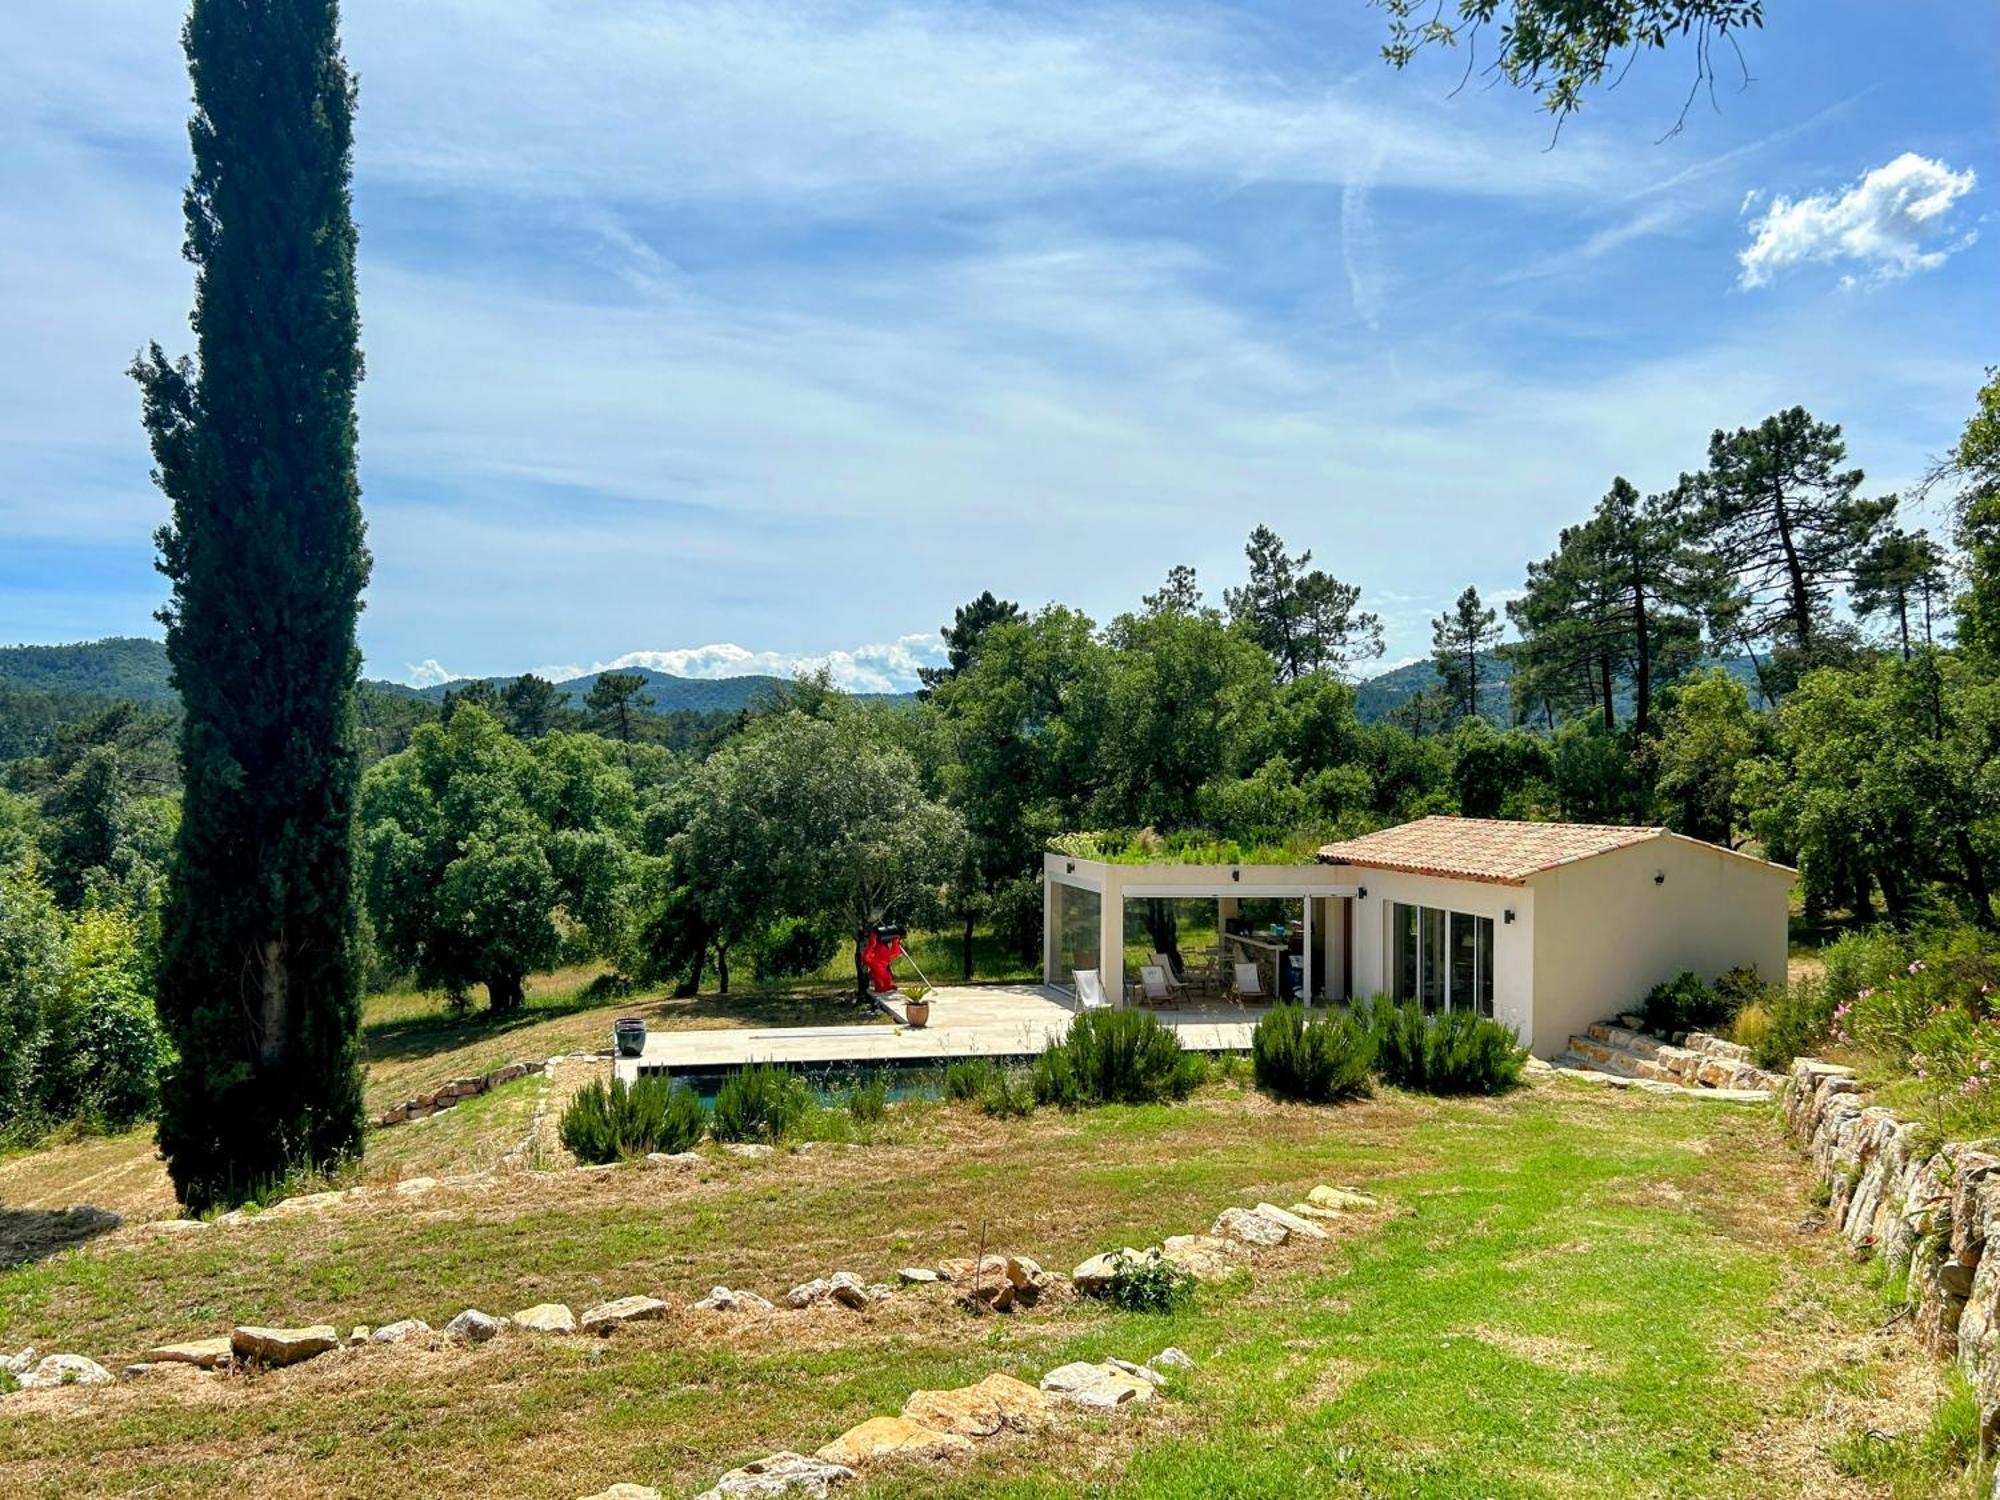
x=1154 y=984
x=1249 y=984
x=1177 y=983
x=1090 y=990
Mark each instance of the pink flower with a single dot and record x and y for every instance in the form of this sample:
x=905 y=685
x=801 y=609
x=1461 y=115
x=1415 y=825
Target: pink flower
x=1916 y=966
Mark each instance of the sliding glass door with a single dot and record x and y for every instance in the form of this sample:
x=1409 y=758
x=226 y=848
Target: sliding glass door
x=1442 y=958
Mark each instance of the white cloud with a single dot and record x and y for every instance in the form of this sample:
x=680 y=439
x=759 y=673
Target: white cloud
x=1892 y=222
x=428 y=673
x=881 y=667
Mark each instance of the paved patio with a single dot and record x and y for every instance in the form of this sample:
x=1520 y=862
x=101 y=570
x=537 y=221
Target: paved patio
x=988 y=1020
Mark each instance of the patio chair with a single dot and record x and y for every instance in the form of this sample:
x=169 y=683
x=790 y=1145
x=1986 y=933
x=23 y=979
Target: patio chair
x=1176 y=986
x=1155 y=986
x=1249 y=984
x=1090 y=990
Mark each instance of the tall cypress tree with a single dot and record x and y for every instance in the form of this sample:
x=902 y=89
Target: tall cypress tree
x=254 y=444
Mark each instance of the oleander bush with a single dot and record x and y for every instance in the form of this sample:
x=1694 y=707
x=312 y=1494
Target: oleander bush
x=1115 y=1057
x=761 y=1103
x=619 y=1121
x=1319 y=1058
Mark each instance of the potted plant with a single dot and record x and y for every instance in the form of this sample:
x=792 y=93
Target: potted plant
x=917 y=1008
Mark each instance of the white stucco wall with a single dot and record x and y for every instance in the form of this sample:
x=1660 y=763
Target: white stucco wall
x=1513 y=942
x=1605 y=933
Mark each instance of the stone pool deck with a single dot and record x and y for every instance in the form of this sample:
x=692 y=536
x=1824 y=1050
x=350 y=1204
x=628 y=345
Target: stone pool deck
x=986 y=1020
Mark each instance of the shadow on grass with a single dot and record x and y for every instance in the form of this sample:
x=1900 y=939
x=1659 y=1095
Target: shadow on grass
x=414 y=1037
x=30 y=1234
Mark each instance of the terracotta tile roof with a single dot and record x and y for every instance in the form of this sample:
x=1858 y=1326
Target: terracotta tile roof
x=1495 y=849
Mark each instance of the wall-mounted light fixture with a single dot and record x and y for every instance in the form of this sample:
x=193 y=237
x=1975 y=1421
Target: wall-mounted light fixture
x=1659 y=877
x=1362 y=894
x=1235 y=874
x=1072 y=867
x=1509 y=916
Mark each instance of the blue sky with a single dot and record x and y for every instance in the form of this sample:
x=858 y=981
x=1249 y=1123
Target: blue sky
x=727 y=336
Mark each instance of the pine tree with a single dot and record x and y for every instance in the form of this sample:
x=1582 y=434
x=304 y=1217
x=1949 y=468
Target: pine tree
x=1308 y=620
x=1457 y=638
x=1775 y=507
x=968 y=627
x=532 y=706
x=254 y=444
x=613 y=704
x=1901 y=574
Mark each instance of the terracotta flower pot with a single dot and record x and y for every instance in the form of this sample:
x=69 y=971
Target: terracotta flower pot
x=917 y=1012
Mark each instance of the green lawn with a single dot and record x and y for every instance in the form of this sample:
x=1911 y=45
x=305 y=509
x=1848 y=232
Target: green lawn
x=1577 y=1293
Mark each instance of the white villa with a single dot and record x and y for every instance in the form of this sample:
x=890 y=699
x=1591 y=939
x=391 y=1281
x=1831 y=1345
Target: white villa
x=1546 y=927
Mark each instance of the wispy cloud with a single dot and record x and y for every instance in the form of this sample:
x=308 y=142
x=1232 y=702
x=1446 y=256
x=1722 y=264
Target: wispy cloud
x=1891 y=222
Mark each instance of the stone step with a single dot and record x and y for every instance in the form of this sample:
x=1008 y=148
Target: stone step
x=1606 y=1059
x=1715 y=1046
x=1623 y=1037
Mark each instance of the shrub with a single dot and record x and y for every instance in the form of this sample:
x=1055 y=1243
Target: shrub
x=1150 y=1284
x=1008 y=1095
x=868 y=1100
x=617 y=1121
x=792 y=949
x=759 y=1103
x=1317 y=1059
x=1115 y=1057
x=969 y=1078
x=1683 y=1004
x=1790 y=1021
x=1454 y=1053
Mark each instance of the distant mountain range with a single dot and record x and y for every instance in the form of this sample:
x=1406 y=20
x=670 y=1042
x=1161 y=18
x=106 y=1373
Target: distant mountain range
x=134 y=669
x=670 y=694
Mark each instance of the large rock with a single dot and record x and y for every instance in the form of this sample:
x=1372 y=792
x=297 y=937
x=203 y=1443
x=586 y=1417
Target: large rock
x=282 y=1346
x=204 y=1353
x=881 y=1438
x=918 y=1276
x=1095 y=1275
x=781 y=1474
x=1292 y=1222
x=809 y=1293
x=474 y=1326
x=848 y=1289
x=992 y=1268
x=18 y=1364
x=64 y=1369
x=1171 y=1358
x=1341 y=1198
x=1205 y=1257
x=1096 y=1387
x=546 y=1317
x=723 y=1299
x=609 y=1317
x=1250 y=1227
x=399 y=1332
x=999 y=1403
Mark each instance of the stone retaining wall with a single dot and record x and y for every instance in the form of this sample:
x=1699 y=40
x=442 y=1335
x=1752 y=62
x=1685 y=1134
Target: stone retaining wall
x=1926 y=1213
x=420 y=1106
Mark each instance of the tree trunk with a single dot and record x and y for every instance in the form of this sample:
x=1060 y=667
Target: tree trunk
x=1801 y=603
x=1859 y=902
x=1976 y=892
x=965 y=945
x=504 y=993
x=721 y=967
x=1604 y=685
x=1893 y=898
x=863 y=989
x=1903 y=620
x=1642 y=673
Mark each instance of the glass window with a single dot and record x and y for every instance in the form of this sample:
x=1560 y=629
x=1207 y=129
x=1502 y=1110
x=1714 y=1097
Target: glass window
x=1403 y=940
x=1464 y=960
x=1433 y=976
x=1483 y=983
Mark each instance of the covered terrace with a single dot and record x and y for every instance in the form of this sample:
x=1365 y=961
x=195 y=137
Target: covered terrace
x=1292 y=923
